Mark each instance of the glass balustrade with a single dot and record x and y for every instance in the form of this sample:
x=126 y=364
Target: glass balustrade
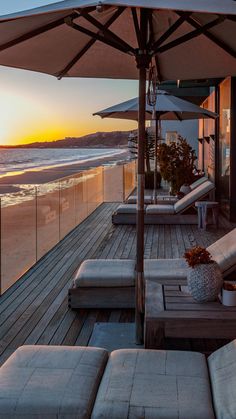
x=35 y=219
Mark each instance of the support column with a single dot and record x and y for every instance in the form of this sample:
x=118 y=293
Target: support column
x=139 y=288
x=143 y=60
x=232 y=181
x=217 y=143
x=155 y=159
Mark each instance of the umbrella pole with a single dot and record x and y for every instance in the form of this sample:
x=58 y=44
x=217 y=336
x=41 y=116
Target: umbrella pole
x=139 y=288
x=143 y=61
x=155 y=161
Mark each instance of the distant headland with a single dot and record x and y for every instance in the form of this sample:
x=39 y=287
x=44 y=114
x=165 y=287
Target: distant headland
x=96 y=140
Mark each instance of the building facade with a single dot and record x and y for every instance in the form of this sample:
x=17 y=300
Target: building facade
x=217 y=144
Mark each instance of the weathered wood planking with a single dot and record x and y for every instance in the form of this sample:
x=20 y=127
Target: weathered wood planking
x=34 y=310
x=171 y=314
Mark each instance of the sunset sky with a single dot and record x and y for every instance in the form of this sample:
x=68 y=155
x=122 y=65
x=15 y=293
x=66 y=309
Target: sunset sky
x=37 y=107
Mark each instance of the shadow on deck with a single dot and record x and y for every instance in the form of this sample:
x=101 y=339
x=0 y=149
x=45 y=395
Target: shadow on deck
x=34 y=310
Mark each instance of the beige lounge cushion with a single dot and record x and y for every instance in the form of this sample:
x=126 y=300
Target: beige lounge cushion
x=223 y=251
x=126 y=209
x=222 y=367
x=165 y=269
x=193 y=196
x=106 y=273
x=51 y=382
x=160 y=209
x=155 y=385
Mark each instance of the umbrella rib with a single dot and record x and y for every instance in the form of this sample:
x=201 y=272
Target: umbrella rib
x=96 y=36
x=88 y=45
x=160 y=78
x=106 y=31
x=151 y=36
x=178 y=117
x=199 y=31
x=34 y=33
x=136 y=25
x=212 y=37
x=170 y=31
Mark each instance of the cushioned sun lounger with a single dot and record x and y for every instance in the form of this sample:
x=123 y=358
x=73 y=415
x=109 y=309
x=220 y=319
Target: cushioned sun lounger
x=172 y=199
x=110 y=283
x=167 y=213
x=149 y=199
x=63 y=382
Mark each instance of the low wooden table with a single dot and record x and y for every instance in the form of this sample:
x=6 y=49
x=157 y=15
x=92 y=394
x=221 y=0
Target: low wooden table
x=172 y=313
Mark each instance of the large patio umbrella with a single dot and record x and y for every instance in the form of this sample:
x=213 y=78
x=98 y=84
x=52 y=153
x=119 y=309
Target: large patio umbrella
x=167 y=107
x=121 y=39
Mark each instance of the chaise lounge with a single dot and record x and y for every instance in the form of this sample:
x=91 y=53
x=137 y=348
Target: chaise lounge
x=62 y=382
x=149 y=199
x=110 y=283
x=167 y=213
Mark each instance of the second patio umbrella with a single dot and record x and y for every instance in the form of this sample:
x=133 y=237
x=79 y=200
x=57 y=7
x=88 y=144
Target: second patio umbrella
x=167 y=107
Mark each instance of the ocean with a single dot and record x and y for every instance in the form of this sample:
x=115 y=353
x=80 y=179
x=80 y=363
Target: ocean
x=20 y=160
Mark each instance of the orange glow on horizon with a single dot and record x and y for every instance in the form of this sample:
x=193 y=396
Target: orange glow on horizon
x=24 y=121
x=53 y=133
x=38 y=108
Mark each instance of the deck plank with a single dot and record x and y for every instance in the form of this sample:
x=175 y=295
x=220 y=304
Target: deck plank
x=34 y=310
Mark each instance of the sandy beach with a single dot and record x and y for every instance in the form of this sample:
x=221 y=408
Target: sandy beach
x=34 y=220
x=9 y=182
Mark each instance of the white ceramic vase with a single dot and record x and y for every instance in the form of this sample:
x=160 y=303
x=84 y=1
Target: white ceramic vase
x=205 y=282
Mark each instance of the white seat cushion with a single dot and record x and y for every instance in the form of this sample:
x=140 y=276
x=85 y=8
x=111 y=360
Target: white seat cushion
x=50 y=382
x=165 y=269
x=154 y=384
x=133 y=199
x=106 y=273
x=223 y=251
x=160 y=209
x=193 y=196
x=222 y=367
x=126 y=209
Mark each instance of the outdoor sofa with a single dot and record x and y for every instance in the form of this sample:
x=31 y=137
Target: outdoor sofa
x=165 y=213
x=47 y=382
x=110 y=283
x=149 y=199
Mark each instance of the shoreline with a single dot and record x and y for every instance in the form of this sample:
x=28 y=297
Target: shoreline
x=12 y=183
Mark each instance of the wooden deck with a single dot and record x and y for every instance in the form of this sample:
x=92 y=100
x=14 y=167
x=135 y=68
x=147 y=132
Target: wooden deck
x=34 y=310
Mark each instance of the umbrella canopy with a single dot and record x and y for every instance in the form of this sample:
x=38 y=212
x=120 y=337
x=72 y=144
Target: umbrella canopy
x=167 y=107
x=188 y=39
x=121 y=39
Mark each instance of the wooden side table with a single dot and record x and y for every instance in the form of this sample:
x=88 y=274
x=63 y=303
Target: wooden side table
x=203 y=207
x=172 y=313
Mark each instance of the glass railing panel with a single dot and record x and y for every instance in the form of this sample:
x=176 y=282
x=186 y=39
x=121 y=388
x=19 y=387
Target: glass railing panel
x=18 y=234
x=129 y=178
x=81 y=198
x=94 y=180
x=48 y=224
x=35 y=219
x=113 y=182
x=67 y=206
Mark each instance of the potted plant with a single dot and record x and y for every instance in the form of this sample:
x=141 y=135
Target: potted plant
x=228 y=296
x=177 y=161
x=204 y=275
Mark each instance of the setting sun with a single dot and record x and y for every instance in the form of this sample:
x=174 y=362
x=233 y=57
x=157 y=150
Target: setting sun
x=36 y=107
